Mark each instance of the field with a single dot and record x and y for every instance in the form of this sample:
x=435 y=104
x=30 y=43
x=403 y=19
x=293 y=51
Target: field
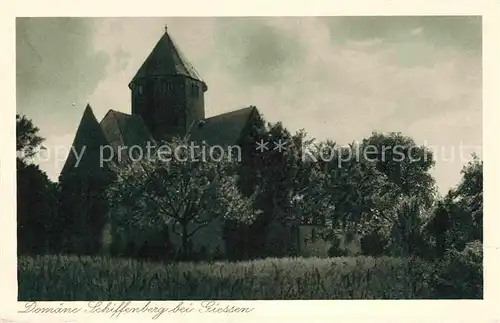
x=101 y=278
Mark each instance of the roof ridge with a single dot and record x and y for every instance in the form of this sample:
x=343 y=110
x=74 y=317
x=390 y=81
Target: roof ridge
x=120 y=129
x=116 y=111
x=185 y=61
x=167 y=59
x=229 y=112
x=249 y=117
x=110 y=112
x=118 y=126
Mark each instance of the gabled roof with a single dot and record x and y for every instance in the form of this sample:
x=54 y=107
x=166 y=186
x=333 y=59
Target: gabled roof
x=167 y=60
x=223 y=129
x=120 y=129
x=89 y=138
x=125 y=130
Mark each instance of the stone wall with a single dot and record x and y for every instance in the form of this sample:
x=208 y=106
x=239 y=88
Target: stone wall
x=310 y=242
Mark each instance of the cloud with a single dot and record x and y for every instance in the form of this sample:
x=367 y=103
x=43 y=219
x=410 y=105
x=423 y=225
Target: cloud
x=343 y=90
x=460 y=32
x=56 y=67
x=259 y=52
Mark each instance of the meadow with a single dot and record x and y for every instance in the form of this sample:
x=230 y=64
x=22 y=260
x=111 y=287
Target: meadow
x=104 y=278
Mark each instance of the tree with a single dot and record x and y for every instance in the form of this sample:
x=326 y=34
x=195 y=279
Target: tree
x=184 y=192
x=439 y=224
x=458 y=218
x=276 y=174
x=406 y=164
x=406 y=235
x=283 y=174
x=36 y=194
x=28 y=142
x=470 y=195
x=353 y=196
x=348 y=192
x=36 y=209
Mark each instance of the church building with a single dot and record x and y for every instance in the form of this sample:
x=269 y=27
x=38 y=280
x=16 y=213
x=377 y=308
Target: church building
x=167 y=96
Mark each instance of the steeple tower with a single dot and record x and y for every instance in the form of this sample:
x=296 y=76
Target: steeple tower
x=167 y=91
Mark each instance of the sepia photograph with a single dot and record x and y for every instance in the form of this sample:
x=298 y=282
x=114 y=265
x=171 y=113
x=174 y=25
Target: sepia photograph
x=249 y=158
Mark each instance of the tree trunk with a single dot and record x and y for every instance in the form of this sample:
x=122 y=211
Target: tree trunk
x=440 y=244
x=185 y=251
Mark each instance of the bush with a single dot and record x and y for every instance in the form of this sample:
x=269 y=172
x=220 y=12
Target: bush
x=335 y=250
x=374 y=244
x=460 y=275
x=318 y=249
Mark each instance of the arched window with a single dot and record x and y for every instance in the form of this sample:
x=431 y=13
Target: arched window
x=167 y=87
x=194 y=90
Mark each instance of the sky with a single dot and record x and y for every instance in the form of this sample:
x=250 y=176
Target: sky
x=339 y=78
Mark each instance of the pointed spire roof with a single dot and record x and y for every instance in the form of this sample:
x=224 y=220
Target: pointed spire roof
x=167 y=59
x=88 y=140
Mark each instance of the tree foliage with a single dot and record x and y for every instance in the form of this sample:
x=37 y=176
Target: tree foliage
x=380 y=189
x=470 y=196
x=36 y=194
x=28 y=141
x=347 y=192
x=458 y=219
x=404 y=163
x=184 y=192
x=407 y=237
x=275 y=175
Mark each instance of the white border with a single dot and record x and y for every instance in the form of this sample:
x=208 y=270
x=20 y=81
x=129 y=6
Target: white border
x=312 y=311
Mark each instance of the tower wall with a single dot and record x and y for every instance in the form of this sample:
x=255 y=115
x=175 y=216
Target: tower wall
x=169 y=105
x=161 y=102
x=195 y=102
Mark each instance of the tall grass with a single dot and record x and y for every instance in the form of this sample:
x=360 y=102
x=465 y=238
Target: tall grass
x=102 y=278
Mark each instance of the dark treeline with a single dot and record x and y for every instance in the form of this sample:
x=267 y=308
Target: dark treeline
x=389 y=201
